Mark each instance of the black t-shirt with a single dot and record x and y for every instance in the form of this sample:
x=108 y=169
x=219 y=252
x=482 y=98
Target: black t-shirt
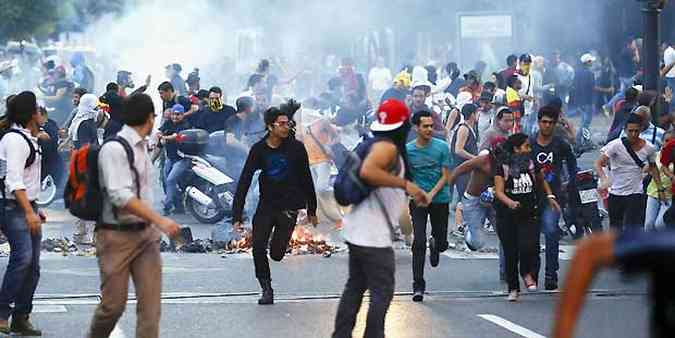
x=584 y=83
x=285 y=180
x=64 y=105
x=86 y=134
x=168 y=128
x=178 y=99
x=625 y=66
x=213 y=121
x=654 y=253
x=520 y=188
x=549 y=159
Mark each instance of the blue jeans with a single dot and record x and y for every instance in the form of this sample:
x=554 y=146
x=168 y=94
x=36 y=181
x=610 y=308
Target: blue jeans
x=23 y=270
x=173 y=170
x=586 y=112
x=654 y=213
x=552 y=234
x=475 y=213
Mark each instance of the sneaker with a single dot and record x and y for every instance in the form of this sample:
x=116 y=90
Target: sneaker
x=434 y=253
x=551 y=285
x=513 y=296
x=418 y=296
x=530 y=283
x=166 y=211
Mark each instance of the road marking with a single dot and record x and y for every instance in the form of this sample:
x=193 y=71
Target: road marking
x=515 y=328
x=47 y=308
x=117 y=333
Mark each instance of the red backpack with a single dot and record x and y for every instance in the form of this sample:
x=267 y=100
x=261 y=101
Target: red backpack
x=83 y=194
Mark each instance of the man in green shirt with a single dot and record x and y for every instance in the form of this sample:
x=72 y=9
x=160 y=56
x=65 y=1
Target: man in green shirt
x=429 y=161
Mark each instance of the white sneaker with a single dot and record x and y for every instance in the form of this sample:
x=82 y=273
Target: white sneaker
x=513 y=296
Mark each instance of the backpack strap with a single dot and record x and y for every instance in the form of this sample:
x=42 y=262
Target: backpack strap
x=130 y=158
x=632 y=153
x=33 y=152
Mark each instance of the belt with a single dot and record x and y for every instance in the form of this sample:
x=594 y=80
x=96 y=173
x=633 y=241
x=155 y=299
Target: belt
x=123 y=227
x=11 y=203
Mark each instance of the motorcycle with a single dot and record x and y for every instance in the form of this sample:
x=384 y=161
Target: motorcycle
x=586 y=217
x=48 y=192
x=207 y=192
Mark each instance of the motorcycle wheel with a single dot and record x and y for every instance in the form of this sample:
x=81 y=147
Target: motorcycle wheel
x=47 y=192
x=205 y=214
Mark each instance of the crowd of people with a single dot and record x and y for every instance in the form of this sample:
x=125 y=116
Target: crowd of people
x=496 y=148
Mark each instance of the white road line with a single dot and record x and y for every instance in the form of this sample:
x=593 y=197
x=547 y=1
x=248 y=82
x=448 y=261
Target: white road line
x=117 y=333
x=47 y=308
x=515 y=328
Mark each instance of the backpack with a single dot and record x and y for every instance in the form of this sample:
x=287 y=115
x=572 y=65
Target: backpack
x=83 y=194
x=349 y=188
x=29 y=161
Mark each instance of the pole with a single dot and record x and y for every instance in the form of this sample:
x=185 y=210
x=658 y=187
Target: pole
x=650 y=57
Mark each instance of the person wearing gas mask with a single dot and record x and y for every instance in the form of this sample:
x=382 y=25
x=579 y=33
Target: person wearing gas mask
x=215 y=114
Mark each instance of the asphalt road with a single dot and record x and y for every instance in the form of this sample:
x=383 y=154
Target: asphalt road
x=209 y=295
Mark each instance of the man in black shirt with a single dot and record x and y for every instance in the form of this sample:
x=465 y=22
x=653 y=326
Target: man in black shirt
x=548 y=153
x=285 y=187
x=170 y=98
x=634 y=251
x=175 y=166
x=621 y=115
x=214 y=116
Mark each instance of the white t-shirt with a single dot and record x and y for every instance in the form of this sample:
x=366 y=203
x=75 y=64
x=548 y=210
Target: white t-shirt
x=380 y=78
x=527 y=89
x=625 y=175
x=668 y=58
x=366 y=225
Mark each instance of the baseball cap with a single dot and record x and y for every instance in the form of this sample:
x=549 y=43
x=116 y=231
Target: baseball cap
x=178 y=108
x=391 y=115
x=588 y=57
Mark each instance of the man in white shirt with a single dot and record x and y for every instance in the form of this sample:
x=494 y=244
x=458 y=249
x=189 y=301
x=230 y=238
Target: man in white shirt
x=21 y=221
x=627 y=157
x=127 y=237
x=379 y=79
x=668 y=59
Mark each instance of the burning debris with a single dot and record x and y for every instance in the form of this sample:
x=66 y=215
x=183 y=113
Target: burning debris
x=303 y=242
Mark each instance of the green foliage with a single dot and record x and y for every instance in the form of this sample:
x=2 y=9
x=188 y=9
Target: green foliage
x=26 y=19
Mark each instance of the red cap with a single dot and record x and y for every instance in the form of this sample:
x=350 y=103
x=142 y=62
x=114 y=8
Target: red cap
x=390 y=115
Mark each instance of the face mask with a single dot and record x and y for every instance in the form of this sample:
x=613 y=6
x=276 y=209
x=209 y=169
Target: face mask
x=215 y=104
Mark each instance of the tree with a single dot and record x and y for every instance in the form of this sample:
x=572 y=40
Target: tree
x=25 y=19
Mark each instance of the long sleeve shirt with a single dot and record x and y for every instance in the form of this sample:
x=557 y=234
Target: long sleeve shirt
x=285 y=179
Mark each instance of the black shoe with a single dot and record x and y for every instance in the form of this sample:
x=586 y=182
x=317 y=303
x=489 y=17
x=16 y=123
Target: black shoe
x=418 y=296
x=166 y=211
x=21 y=326
x=435 y=254
x=551 y=285
x=267 y=297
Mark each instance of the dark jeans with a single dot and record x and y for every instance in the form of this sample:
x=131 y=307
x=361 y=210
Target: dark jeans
x=266 y=221
x=438 y=212
x=627 y=211
x=369 y=269
x=519 y=235
x=23 y=270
